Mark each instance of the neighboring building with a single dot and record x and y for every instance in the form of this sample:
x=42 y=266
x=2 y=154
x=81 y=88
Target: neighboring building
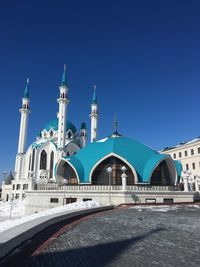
x=188 y=153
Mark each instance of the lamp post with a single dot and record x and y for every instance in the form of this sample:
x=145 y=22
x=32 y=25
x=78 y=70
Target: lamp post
x=123 y=176
x=64 y=184
x=11 y=206
x=109 y=170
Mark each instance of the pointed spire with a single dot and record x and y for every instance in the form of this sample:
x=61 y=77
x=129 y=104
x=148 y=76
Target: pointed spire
x=26 y=92
x=115 y=132
x=64 y=77
x=94 y=100
x=115 y=124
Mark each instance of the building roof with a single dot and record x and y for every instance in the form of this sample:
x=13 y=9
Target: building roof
x=183 y=143
x=53 y=124
x=142 y=158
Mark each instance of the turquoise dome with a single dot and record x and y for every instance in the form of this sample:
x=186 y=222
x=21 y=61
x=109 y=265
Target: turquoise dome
x=142 y=158
x=53 y=124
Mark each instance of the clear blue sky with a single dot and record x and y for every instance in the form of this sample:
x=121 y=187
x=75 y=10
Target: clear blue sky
x=143 y=55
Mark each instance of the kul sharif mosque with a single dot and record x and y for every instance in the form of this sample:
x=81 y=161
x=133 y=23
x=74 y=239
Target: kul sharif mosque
x=62 y=166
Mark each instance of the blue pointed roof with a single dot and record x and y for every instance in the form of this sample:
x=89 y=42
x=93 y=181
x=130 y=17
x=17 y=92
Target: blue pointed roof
x=9 y=179
x=143 y=159
x=64 y=77
x=26 y=92
x=83 y=125
x=94 y=99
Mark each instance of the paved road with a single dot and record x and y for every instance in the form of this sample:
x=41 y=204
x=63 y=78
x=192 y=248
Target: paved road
x=128 y=237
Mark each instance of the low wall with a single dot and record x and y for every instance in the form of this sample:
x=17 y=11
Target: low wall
x=12 y=238
x=38 y=200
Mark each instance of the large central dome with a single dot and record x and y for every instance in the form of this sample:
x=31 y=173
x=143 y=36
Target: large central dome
x=142 y=159
x=53 y=124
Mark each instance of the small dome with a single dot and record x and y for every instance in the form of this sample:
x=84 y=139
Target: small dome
x=9 y=178
x=53 y=124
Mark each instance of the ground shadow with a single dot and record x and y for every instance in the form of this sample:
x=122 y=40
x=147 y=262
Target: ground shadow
x=98 y=255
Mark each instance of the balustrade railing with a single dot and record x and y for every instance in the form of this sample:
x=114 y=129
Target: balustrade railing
x=57 y=186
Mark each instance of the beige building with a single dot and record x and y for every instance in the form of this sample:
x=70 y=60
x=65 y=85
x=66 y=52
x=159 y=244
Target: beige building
x=188 y=153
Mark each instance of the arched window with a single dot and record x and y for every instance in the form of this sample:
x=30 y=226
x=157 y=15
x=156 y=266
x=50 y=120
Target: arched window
x=29 y=163
x=51 y=164
x=33 y=160
x=43 y=160
x=51 y=133
x=100 y=175
x=18 y=187
x=69 y=135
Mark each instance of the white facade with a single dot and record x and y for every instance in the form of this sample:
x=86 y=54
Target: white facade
x=58 y=138
x=188 y=154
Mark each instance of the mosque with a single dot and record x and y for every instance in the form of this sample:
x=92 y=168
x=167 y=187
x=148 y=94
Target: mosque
x=61 y=167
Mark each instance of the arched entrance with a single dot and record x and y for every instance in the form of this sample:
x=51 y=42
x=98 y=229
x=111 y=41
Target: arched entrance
x=65 y=171
x=100 y=174
x=164 y=173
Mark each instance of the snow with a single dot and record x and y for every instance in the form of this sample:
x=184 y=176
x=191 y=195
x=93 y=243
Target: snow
x=163 y=208
x=18 y=209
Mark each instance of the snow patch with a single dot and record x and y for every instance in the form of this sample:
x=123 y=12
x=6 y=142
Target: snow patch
x=164 y=208
x=74 y=206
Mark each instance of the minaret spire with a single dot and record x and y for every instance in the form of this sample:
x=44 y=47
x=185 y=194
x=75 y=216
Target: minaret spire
x=94 y=116
x=64 y=77
x=115 y=125
x=94 y=95
x=25 y=110
x=26 y=92
x=63 y=101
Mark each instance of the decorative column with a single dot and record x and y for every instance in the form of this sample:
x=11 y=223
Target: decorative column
x=197 y=183
x=185 y=181
x=124 y=176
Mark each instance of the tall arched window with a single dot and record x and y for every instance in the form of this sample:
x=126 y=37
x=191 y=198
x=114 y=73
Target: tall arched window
x=51 y=164
x=43 y=160
x=33 y=160
x=100 y=175
x=29 y=163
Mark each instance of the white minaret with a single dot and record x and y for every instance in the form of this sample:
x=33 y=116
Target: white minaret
x=83 y=135
x=63 y=101
x=25 y=110
x=94 y=117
